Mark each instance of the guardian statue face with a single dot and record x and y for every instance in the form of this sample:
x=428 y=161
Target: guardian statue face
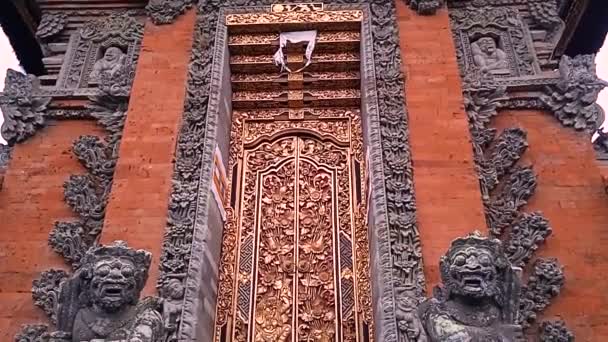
x=474 y=268
x=114 y=284
x=473 y=272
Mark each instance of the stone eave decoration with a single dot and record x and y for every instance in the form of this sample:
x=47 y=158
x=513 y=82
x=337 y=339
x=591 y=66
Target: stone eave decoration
x=166 y=11
x=23 y=111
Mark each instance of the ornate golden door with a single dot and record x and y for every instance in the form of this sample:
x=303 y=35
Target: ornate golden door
x=299 y=268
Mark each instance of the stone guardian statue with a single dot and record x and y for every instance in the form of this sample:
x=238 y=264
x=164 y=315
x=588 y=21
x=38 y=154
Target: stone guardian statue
x=478 y=301
x=101 y=301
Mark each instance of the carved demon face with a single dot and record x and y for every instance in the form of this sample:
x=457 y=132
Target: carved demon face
x=113 y=284
x=487 y=45
x=472 y=272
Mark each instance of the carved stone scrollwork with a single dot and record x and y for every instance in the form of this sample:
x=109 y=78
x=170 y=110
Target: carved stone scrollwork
x=23 y=110
x=545 y=13
x=479 y=299
x=525 y=237
x=70 y=240
x=87 y=195
x=166 y=11
x=425 y=7
x=506 y=187
x=573 y=99
x=545 y=282
x=555 y=331
x=33 y=333
x=45 y=291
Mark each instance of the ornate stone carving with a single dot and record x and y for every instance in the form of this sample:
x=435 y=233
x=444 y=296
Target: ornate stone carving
x=573 y=99
x=513 y=56
x=391 y=168
x=33 y=333
x=107 y=45
x=545 y=13
x=555 y=331
x=51 y=24
x=488 y=56
x=479 y=299
x=23 y=110
x=166 y=11
x=505 y=188
x=87 y=195
x=526 y=236
x=425 y=7
x=111 y=63
x=101 y=300
x=45 y=291
x=70 y=240
x=545 y=282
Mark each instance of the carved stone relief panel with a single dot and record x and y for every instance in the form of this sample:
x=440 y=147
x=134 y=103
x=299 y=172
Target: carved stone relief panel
x=494 y=40
x=103 y=46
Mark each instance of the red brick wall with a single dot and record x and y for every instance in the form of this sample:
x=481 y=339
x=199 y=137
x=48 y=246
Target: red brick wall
x=446 y=184
x=571 y=195
x=31 y=200
x=137 y=209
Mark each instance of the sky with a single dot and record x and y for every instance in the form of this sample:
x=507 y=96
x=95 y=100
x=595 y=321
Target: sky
x=9 y=60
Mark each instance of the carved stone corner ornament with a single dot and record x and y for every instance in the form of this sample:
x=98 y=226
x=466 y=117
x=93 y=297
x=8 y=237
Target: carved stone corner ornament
x=51 y=24
x=23 y=111
x=166 y=11
x=425 y=7
x=100 y=301
x=573 y=99
x=479 y=298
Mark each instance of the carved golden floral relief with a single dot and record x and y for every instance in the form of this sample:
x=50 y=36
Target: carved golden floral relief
x=295 y=257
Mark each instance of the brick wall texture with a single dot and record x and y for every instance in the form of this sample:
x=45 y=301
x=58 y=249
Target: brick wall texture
x=31 y=201
x=570 y=193
x=137 y=209
x=445 y=181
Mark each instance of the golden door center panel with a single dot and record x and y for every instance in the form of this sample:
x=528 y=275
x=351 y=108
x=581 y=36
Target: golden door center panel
x=295 y=257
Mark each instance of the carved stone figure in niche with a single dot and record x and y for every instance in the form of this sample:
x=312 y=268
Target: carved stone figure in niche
x=479 y=300
x=488 y=56
x=101 y=301
x=111 y=63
